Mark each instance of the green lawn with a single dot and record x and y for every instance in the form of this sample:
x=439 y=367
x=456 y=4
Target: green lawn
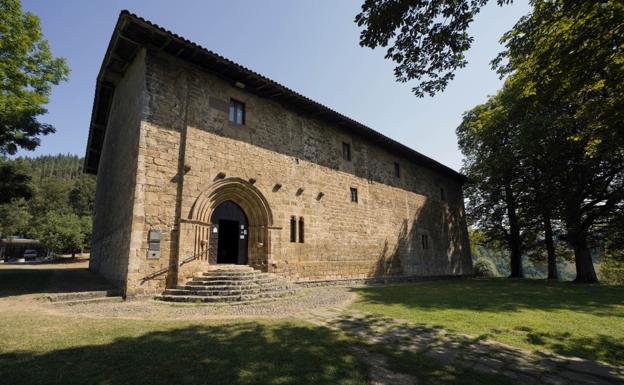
x=40 y=349
x=567 y=318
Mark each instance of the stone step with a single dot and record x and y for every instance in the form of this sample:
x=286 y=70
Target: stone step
x=230 y=281
x=229 y=275
x=198 y=286
x=201 y=298
x=225 y=293
x=230 y=267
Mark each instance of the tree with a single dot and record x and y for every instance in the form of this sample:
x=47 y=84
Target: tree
x=489 y=141
x=15 y=181
x=81 y=195
x=427 y=39
x=27 y=72
x=60 y=231
x=569 y=58
x=14 y=219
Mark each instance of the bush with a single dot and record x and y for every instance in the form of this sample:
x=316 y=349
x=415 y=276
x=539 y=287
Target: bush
x=612 y=272
x=485 y=268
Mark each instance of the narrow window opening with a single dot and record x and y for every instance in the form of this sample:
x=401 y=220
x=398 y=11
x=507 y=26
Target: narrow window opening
x=425 y=241
x=442 y=194
x=300 y=230
x=354 y=197
x=346 y=151
x=237 y=112
x=293 y=229
x=397 y=170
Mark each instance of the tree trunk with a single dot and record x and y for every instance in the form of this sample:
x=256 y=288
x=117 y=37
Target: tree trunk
x=582 y=258
x=514 y=239
x=577 y=237
x=550 y=248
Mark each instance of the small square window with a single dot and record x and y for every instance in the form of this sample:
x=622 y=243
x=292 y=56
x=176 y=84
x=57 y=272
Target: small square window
x=397 y=170
x=425 y=241
x=354 y=197
x=346 y=151
x=237 y=112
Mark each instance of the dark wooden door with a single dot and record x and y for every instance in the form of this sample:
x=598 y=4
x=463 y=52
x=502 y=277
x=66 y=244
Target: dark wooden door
x=227 y=249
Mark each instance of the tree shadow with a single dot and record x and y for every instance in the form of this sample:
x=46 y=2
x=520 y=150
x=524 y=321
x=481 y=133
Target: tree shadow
x=436 y=356
x=247 y=353
x=37 y=280
x=599 y=348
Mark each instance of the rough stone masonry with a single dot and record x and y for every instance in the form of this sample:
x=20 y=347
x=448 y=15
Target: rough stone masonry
x=200 y=160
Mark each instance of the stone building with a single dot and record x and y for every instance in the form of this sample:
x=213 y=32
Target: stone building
x=201 y=161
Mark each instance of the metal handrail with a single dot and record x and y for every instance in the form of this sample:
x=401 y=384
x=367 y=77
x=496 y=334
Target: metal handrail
x=166 y=269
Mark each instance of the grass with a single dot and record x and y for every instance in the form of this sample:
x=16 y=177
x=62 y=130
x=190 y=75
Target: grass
x=569 y=319
x=38 y=347
x=43 y=349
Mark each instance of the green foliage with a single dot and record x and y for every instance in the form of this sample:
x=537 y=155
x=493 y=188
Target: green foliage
x=427 y=39
x=15 y=181
x=485 y=268
x=58 y=212
x=549 y=148
x=60 y=231
x=15 y=218
x=81 y=195
x=27 y=72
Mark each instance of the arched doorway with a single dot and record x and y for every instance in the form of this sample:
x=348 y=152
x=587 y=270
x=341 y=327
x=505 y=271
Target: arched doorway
x=229 y=237
x=240 y=199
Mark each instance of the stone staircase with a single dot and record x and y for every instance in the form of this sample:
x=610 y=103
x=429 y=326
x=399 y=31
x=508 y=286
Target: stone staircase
x=230 y=283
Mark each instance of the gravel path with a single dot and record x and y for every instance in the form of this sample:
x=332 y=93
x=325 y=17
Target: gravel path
x=308 y=299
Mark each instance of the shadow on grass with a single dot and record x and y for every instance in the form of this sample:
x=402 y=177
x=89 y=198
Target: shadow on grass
x=37 y=280
x=599 y=348
x=500 y=295
x=246 y=353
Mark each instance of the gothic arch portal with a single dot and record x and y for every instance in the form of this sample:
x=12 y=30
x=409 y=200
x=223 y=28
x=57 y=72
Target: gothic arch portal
x=254 y=206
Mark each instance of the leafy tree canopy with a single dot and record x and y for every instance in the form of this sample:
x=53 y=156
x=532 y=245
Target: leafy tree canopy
x=27 y=72
x=426 y=39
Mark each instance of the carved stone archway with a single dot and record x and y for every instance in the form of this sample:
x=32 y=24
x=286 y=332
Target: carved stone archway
x=255 y=207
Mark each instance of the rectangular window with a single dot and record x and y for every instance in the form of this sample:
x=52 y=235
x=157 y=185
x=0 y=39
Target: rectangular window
x=425 y=241
x=300 y=230
x=397 y=170
x=293 y=229
x=442 y=194
x=237 y=112
x=354 y=197
x=346 y=151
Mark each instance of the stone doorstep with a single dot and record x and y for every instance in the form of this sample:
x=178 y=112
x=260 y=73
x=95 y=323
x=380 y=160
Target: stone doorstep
x=82 y=295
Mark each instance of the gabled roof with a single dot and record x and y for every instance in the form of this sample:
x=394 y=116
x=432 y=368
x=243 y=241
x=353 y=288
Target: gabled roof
x=133 y=32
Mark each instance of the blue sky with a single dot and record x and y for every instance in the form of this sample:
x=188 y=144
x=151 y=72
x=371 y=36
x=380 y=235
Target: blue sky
x=309 y=46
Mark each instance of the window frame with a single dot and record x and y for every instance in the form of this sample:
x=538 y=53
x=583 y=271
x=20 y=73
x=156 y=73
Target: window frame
x=424 y=238
x=346 y=151
x=354 y=194
x=235 y=106
x=293 y=229
x=301 y=231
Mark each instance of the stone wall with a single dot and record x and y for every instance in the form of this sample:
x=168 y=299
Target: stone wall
x=186 y=140
x=114 y=212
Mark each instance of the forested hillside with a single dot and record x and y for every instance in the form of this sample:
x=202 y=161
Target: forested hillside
x=55 y=203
